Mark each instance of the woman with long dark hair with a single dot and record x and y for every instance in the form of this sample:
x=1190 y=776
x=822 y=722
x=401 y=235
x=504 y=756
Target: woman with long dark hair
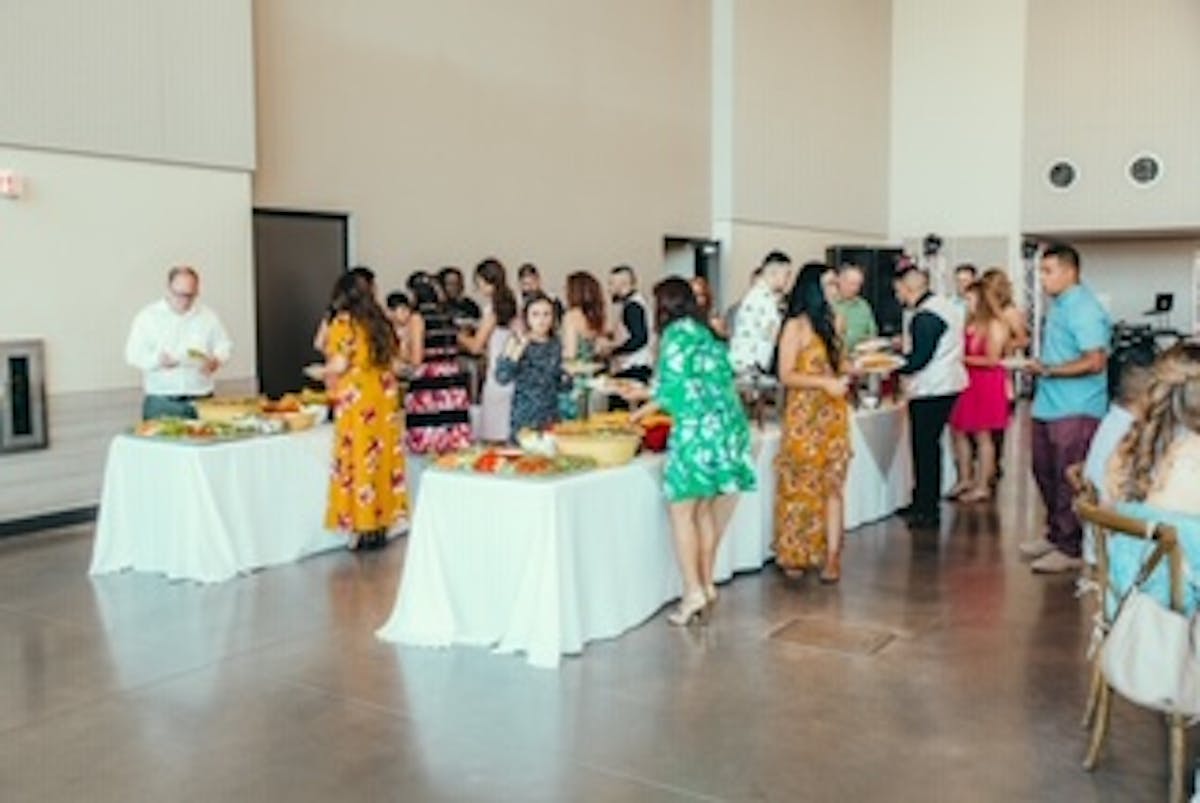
x=490 y=338
x=814 y=451
x=366 y=488
x=582 y=329
x=708 y=450
x=437 y=405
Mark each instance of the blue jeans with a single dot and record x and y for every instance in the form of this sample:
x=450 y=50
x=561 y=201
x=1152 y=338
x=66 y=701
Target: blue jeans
x=167 y=407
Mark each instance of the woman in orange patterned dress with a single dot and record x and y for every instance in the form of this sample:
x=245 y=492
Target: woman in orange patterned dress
x=366 y=489
x=814 y=451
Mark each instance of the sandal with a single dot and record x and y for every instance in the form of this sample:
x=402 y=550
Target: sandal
x=832 y=573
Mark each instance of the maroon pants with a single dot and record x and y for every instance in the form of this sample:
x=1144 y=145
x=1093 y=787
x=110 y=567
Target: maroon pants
x=1058 y=445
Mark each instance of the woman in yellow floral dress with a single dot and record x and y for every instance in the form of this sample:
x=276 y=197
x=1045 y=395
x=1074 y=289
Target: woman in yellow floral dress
x=814 y=451
x=366 y=489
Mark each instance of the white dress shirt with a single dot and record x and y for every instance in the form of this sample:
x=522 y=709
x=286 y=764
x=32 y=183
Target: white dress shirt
x=755 y=329
x=157 y=330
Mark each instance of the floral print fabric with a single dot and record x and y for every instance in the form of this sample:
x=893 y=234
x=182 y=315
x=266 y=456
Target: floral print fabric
x=814 y=454
x=708 y=450
x=366 y=487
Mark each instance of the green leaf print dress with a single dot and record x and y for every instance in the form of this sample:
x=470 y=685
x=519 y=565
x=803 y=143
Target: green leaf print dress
x=708 y=451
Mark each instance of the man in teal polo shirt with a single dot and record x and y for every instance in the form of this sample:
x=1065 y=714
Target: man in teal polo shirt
x=1071 y=398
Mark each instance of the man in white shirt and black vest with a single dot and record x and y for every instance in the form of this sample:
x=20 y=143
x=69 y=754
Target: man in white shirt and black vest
x=178 y=344
x=936 y=375
x=631 y=353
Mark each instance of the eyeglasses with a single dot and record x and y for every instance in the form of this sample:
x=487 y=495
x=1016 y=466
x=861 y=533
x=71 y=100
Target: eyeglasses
x=182 y=296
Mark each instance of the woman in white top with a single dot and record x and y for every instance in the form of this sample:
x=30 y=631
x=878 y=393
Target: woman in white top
x=490 y=338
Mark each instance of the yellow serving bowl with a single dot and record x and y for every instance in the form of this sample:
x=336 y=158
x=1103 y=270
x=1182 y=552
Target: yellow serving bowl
x=225 y=411
x=607 y=449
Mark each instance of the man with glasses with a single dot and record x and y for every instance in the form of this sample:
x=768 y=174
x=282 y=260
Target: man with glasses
x=178 y=344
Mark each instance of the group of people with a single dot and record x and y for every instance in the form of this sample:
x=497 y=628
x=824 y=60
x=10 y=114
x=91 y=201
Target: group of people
x=424 y=332
x=800 y=327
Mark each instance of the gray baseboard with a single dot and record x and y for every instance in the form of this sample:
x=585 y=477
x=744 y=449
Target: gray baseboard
x=48 y=521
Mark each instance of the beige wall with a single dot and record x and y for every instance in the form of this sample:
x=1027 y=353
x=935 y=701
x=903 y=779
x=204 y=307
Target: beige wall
x=957 y=79
x=86 y=247
x=132 y=124
x=168 y=80
x=810 y=113
x=567 y=133
x=92 y=241
x=1108 y=79
x=800 y=129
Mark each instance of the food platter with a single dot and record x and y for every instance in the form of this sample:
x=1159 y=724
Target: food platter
x=873 y=345
x=616 y=386
x=1016 y=363
x=223 y=419
x=192 y=431
x=878 y=363
x=511 y=462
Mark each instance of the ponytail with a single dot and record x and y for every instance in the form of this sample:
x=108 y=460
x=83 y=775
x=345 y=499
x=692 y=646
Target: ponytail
x=1172 y=401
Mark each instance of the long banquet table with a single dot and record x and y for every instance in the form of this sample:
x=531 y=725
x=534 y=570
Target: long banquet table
x=209 y=513
x=543 y=566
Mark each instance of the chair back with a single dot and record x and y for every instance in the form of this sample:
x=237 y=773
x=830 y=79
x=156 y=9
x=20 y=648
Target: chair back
x=1106 y=521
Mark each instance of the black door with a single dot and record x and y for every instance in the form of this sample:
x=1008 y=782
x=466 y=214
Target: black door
x=297 y=258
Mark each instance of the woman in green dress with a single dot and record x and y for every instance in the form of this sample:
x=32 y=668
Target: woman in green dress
x=708 y=451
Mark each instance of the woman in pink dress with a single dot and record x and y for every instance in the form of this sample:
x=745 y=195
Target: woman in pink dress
x=982 y=409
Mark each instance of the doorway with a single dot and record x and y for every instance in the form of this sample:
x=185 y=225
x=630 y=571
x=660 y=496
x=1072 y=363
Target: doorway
x=689 y=257
x=297 y=258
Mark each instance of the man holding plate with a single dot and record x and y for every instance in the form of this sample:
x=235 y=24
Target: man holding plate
x=178 y=344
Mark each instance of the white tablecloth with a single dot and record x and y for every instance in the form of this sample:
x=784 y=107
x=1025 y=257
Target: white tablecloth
x=542 y=566
x=880 y=476
x=208 y=513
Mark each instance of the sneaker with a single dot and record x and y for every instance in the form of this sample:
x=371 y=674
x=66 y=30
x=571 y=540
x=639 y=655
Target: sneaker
x=1035 y=548
x=1055 y=562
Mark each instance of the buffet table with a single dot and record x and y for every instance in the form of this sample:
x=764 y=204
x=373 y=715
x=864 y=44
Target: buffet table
x=211 y=512
x=542 y=566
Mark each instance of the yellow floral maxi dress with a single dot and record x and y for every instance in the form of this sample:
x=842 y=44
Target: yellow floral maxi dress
x=366 y=488
x=814 y=452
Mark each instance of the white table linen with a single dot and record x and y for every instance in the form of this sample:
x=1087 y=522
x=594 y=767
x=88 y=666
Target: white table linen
x=542 y=566
x=209 y=513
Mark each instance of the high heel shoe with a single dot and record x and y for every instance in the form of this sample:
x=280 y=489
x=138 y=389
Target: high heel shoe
x=976 y=495
x=832 y=573
x=957 y=491
x=710 y=593
x=693 y=606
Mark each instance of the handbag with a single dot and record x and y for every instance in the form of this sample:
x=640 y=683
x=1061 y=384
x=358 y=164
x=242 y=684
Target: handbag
x=1150 y=656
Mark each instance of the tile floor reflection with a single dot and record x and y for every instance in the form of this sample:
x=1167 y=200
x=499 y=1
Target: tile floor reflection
x=272 y=687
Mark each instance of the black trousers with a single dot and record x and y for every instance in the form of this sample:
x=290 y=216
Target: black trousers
x=927 y=420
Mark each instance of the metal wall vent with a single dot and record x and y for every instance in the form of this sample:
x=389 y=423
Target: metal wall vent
x=1062 y=174
x=1145 y=170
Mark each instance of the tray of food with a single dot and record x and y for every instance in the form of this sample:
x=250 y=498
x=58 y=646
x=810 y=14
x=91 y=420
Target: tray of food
x=878 y=363
x=193 y=431
x=872 y=345
x=616 y=386
x=1017 y=363
x=511 y=462
x=226 y=409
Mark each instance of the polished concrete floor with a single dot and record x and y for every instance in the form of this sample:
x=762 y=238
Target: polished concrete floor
x=939 y=670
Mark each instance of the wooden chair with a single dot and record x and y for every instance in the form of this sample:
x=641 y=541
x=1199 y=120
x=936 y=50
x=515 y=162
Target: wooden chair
x=1106 y=522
